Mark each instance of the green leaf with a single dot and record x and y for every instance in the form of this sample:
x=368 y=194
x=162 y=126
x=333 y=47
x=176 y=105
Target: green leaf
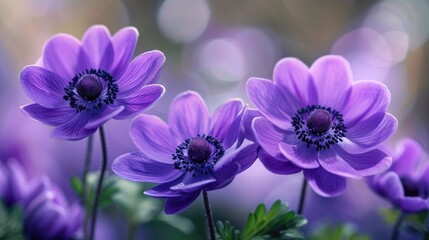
x=76 y=184
x=226 y=231
x=108 y=189
x=337 y=232
x=389 y=215
x=11 y=222
x=278 y=223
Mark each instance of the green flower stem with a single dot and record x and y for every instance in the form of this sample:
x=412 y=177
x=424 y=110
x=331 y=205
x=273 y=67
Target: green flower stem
x=302 y=198
x=395 y=233
x=99 y=184
x=86 y=167
x=209 y=216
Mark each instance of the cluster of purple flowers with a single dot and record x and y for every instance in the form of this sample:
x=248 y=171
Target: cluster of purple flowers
x=46 y=212
x=311 y=119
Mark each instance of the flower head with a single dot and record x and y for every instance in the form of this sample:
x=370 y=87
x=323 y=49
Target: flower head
x=317 y=120
x=406 y=184
x=196 y=151
x=14 y=183
x=46 y=212
x=47 y=215
x=79 y=85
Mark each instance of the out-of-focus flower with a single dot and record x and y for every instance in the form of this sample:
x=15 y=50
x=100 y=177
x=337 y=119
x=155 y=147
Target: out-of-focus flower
x=196 y=151
x=319 y=121
x=406 y=184
x=78 y=86
x=14 y=183
x=47 y=215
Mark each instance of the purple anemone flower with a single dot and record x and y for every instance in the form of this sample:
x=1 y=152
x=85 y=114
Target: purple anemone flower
x=47 y=215
x=196 y=151
x=14 y=183
x=406 y=184
x=319 y=121
x=79 y=85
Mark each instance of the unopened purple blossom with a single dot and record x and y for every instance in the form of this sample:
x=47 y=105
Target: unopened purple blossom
x=47 y=214
x=196 y=151
x=318 y=120
x=406 y=183
x=79 y=85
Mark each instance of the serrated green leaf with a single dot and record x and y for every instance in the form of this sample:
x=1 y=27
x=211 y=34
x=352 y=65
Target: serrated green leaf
x=276 y=223
x=226 y=231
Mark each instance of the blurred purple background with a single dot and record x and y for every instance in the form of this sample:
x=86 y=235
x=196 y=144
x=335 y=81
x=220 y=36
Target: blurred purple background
x=213 y=48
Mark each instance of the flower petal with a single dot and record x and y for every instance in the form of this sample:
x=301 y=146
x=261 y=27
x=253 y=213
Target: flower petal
x=373 y=131
x=98 y=118
x=300 y=155
x=294 y=75
x=45 y=221
x=269 y=136
x=144 y=69
x=140 y=100
x=408 y=157
x=63 y=55
x=366 y=99
x=249 y=115
x=192 y=183
x=413 y=204
x=333 y=78
x=43 y=86
x=124 y=44
x=278 y=165
x=96 y=43
x=178 y=204
x=246 y=156
x=188 y=115
x=74 y=129
x=152 y=136
x=137 y=167
x=272 y=102
x=224 y=174
x=226 y=122
x=74 y=219
x=333 y=163
x=324 y=183
x=50 y=116
x=368 y=163
x=390 y=186
x=163 y=190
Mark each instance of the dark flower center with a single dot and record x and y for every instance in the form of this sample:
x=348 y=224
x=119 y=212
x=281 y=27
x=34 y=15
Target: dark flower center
x=413 y=188
x=199 y=150
x=319 y=126
x=319 y=121
x=198 y=155
x=89 y=87
x=90 y=90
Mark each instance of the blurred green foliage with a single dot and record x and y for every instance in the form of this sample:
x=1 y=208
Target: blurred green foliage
x=11 y=223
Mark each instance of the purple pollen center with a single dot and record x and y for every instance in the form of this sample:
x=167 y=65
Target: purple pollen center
x=89 y=87
x=319 y=121
x=199 y=150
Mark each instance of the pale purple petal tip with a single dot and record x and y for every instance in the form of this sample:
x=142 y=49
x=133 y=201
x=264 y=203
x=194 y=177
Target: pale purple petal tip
x=188 y=115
